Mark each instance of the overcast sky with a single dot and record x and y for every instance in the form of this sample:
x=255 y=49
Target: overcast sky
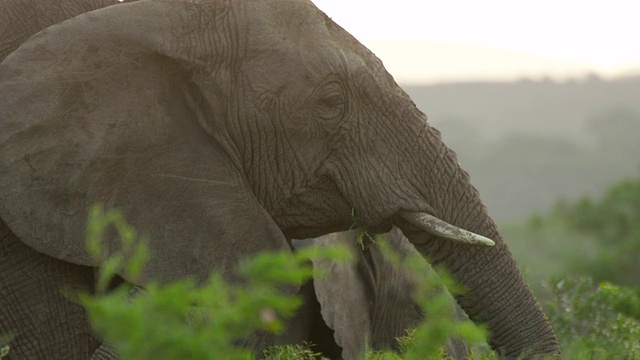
x=432 y=41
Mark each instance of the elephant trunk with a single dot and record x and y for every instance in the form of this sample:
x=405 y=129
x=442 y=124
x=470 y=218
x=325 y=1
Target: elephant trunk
x=497 y=295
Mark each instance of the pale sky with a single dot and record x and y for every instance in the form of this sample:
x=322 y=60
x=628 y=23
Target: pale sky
x=433 y=41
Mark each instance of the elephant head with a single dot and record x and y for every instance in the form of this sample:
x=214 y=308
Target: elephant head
x=223 y=128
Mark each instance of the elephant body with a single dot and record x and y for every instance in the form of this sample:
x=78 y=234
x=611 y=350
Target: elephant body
x=43 y=322
x=222 y=128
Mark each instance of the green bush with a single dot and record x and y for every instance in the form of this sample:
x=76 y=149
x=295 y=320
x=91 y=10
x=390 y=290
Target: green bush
x=597 y=314
x=548 y=248
x=186 y=320
x=614 y=222
x=595 y=321
x=291 y=352
x=592 y=237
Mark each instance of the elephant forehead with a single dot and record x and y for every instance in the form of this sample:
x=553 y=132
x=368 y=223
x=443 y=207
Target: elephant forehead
x=294 y=35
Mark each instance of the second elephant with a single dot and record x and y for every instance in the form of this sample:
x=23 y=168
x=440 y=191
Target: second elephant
x=369 y=302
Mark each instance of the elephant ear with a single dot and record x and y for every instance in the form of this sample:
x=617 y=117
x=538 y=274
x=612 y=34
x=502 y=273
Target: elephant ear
x=368 y=303
x=109 y=108
x=343 y=296
x=394 y=310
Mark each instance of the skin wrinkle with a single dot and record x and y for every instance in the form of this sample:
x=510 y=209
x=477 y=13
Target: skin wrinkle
x=41 y=305
x=523 y=343
x=462 y=268
x=212 y=182
x=498 y=295
x=526 y=327
x=433 y=170
x=221 y=34
x=429 y=191
x=468 y=217
x=297 y=184
x=368 y=272
x=385 y=129
x=451 y=175
x=450 y=183
x=300 y=184
x=479 y=269
x=481 y=294
x=274 y=154
x=245 y=131
x=505 y=336
x=386 y=163
x=239 y=143
x=496 y=321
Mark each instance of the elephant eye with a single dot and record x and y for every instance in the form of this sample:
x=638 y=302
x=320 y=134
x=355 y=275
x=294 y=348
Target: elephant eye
x=331 y=105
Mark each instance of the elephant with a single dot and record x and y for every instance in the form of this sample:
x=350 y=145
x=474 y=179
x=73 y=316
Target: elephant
x=222 y=128
x=368 y=303
x=20 y=20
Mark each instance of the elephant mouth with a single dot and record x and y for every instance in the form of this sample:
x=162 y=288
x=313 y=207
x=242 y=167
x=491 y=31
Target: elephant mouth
x=304 y=232
x=420 y=220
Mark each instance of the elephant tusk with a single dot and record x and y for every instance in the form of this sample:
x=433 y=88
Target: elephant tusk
x=435 y=226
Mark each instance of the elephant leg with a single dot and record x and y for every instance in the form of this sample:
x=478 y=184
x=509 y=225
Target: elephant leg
x=43 y=322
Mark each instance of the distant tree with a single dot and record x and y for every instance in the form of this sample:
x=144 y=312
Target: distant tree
x=614 y=221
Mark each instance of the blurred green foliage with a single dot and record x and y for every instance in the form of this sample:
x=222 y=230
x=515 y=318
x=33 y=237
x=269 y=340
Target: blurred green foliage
x=595 y=321
x=184 y=319
x=614 y=222
x=291 y=352
x=4 y=351
x=590 y=248
x=187 y=320
x=594 y=237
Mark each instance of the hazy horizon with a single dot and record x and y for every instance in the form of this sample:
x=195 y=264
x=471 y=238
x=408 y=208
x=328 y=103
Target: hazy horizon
x=424 y=42
x=415 y=62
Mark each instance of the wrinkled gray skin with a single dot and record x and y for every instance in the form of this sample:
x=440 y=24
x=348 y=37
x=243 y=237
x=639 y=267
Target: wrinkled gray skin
x=220 y=128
